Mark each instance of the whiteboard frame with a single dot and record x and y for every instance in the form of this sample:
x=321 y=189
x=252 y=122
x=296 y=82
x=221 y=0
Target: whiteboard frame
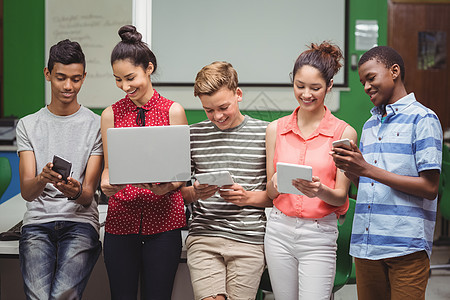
x=142 y=19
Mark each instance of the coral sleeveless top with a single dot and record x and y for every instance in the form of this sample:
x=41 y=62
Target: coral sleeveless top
x=292 y=147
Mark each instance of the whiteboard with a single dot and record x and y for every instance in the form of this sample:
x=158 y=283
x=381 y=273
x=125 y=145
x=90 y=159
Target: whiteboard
x=93 y=24
x=260 y=38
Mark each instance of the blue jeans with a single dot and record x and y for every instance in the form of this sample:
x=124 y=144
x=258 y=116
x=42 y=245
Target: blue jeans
x=56 y=259
x=154 y=258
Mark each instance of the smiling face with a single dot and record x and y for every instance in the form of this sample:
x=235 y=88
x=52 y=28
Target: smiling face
x=310 y=88
x=66 y=82
x=133 y=80
x=222 y=107
x=379 y=81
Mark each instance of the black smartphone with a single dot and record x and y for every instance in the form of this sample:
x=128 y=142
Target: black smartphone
x=62 y=166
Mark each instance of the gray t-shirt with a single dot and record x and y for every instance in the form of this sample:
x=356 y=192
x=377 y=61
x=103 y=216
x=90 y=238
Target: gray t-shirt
x=75 y=137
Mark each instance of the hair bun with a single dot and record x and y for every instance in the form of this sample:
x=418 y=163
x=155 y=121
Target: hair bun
x=129 y=34
x=332 y=50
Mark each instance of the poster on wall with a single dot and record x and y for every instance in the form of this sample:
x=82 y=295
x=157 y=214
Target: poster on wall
x=432 y=49
x=366 y=34
x=93 y=24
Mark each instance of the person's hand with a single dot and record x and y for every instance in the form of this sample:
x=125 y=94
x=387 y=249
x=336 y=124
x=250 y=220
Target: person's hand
x=274 y=181
x=49 y=176
x=235 y=194
x=343 y=146
x=110 y=189
x=351 y=161
x=70 y=189
x=310 y=189
x=204 y=191
x=159 y=188
x=272 y=187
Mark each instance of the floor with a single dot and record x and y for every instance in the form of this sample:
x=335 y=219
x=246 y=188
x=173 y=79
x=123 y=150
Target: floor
x=438 y=286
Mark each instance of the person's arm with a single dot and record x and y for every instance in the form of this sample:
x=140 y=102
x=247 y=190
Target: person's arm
x=339 y=161
x=84 y=194
x=188 y=194
x=177 y=116
x=198 y=191
x=271 y=136
x=334 y=196
x=237 y=195
x=426 y=185
x=32 y=185
x=107 y=121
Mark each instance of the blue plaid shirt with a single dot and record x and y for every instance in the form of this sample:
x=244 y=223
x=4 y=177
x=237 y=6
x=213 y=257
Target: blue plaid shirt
x=389 y=223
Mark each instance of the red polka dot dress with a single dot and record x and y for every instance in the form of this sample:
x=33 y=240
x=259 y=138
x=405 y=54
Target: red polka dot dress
x=133 y=210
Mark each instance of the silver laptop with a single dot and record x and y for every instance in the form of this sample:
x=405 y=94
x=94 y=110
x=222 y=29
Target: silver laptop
x=149 y=154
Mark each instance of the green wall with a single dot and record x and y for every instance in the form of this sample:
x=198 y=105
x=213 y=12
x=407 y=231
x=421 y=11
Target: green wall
x=23 y=56
x=355 y=104
x=24 y=61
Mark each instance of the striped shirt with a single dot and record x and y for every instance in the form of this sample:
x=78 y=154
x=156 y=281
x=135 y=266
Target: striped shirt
x=241 y=151
x=389 y=223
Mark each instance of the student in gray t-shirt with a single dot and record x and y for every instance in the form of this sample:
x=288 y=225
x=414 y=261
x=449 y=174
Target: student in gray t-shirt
x=60 y=245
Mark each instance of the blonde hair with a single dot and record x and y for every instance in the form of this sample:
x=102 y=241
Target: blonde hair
x=213 y=77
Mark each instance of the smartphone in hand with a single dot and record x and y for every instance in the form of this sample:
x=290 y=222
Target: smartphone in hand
x=340 y=143
x=62 y=166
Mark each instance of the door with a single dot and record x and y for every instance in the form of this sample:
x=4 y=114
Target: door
x=420 y=32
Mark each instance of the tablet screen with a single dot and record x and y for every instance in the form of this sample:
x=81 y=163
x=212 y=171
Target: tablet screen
x=219 y=178
x=287 y=172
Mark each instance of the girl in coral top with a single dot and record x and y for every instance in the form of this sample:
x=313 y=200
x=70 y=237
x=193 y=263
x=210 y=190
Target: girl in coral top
x=143 y=224
x=301 y=233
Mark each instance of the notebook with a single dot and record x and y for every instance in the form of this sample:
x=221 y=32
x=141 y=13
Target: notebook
x=287 y=172
x=149 y=154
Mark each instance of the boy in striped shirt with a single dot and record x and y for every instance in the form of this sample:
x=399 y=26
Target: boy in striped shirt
x=397 y=168
x=225 y=252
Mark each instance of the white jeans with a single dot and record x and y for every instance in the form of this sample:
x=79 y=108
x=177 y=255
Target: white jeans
x=301 y=256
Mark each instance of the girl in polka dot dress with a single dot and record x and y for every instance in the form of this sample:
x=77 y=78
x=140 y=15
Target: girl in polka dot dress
x=143 y=235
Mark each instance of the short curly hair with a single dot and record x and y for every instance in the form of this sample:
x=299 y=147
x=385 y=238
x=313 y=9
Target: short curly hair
x=66 y=52
x=385 y=55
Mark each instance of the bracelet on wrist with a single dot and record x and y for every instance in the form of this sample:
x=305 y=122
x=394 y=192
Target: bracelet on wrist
x=77 y=195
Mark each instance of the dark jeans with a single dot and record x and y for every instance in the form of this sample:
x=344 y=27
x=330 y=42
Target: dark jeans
x=56 y=259
x=154 y=258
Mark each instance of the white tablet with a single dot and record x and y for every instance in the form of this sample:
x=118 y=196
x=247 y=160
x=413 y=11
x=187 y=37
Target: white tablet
x=287 y=172
x=219 y=178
